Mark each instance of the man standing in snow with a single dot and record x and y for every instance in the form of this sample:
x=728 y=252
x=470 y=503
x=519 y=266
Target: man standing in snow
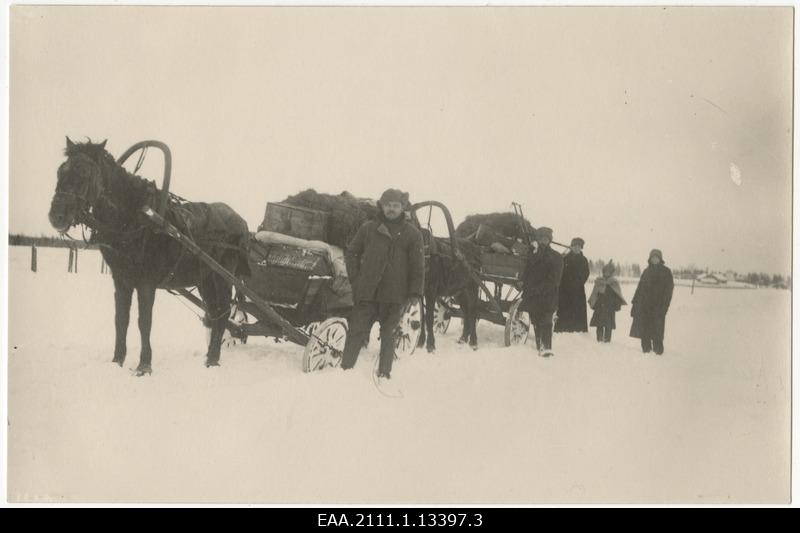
x=540 y=289
x=386 y=267
x=571 y=292
x=651 y=302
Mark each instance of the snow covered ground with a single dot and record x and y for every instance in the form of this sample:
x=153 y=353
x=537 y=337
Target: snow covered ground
x=707 y=422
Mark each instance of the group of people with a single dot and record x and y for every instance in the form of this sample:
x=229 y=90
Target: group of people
x=567 y=277
x=386 y=267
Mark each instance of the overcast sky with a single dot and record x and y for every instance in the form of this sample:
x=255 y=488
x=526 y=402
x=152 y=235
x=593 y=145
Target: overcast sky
x=633 y=128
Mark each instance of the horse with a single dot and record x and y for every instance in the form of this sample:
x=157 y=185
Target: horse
x=450 y=276
x=95 y=191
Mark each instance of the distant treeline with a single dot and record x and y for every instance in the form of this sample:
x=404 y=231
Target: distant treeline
x=758 y=279
x=625 y=270
x=762 y=279
x=690 y=272
x=17 y=239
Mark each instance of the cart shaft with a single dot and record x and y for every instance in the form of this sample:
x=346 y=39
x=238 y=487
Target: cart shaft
x=270 y=315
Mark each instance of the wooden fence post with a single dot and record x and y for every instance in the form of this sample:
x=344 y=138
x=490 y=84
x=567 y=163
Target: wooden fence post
x=76 y=260
x=69 y=261
x=33 y=258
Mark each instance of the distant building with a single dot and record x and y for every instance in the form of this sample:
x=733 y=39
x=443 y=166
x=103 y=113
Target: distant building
x=712 y=278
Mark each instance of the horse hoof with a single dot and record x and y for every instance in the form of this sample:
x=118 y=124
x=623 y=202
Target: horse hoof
x=474 y=347
x=209 y=364
x=118 y=362
x=143 y=370
x=431 y=349
x=462 y=341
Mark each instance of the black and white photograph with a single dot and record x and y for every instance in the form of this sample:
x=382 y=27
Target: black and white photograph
x=399 y=255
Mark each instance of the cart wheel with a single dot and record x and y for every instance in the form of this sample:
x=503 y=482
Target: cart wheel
x=326 y=346
x=408 y=331
x=228 y=340
x=517 y=325
x=441 y=318
x=310 y=329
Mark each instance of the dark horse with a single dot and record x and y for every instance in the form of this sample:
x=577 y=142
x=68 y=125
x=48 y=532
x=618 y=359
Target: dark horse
x=447 y=275
x=94 y=190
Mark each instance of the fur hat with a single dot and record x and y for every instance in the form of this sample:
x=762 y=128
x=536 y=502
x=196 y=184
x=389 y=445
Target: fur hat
x=656 y=252
x=394 y=195
x=544 y=232
x=609 y=269
x=577 y=240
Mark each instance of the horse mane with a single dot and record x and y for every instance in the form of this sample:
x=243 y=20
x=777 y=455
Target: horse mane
x=113 y=172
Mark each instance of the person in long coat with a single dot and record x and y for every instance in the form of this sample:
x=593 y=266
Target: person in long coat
x=651 y=303
x=386 y=267
x=540 y=289
x=606 y=299
x=571 y=293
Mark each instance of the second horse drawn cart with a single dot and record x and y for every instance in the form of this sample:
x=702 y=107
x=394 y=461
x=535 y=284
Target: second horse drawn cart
x=496 y=276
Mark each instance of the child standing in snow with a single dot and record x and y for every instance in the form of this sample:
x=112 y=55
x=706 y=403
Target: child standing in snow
x=606 y=299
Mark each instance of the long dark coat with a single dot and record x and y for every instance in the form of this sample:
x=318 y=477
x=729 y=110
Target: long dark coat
x=651 y=302
x=386 y=262
x=572 y=295
x=541 y=281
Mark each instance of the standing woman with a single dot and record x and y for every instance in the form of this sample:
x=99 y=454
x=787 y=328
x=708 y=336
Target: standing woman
x=606 y=300
x=571 y=293
x=650 y=304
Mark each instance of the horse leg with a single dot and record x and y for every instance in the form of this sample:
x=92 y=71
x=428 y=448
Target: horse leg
x=123 y=294
x=146 y=297
x=217 y=296
x=472 y=298
x=424 y=315
x=430 y=315
x=464 y=327
x=463 y=304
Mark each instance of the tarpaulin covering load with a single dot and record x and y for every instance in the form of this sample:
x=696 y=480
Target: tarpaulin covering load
x=505 y=225
x=301 y=256
x=502 y=239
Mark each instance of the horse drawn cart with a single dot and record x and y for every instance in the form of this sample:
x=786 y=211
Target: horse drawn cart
x=294 y=291
x=496 y=276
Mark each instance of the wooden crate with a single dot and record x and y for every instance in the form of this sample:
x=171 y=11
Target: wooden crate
x=504 y=266
x=299 y=222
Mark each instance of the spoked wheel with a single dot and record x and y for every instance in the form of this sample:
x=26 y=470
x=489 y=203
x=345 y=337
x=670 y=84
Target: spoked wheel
x=310 y=329
x=326 y=345
x=517 y=325
x=237 y=316
x=441 y=316
x=408 y=331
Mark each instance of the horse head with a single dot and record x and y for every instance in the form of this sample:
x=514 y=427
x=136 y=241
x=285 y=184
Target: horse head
x=81 y=183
